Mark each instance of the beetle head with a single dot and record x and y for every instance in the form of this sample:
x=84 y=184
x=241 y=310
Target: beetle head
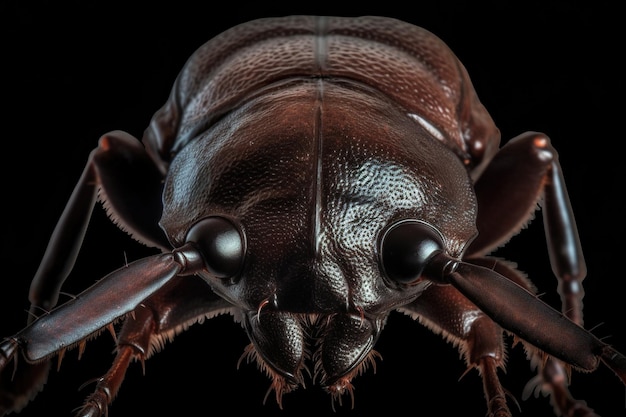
x=316 y=221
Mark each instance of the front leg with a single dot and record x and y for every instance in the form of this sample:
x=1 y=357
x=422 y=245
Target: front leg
x=446 y=311
x=91 y=311
x=121 y=174
x=184 y=301
x=129 y=184
x=526 y=172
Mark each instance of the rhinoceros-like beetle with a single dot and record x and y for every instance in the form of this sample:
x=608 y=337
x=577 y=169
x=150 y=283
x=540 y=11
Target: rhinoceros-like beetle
x=309 y=175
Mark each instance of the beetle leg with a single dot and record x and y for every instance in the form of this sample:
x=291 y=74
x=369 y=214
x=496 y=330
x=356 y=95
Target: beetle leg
x=540 y=325
x=155 y=321
x=108 y=300
x=553 y=372
x=130 y=187
x=445 y=311
x=528 y=169
x=523 y=172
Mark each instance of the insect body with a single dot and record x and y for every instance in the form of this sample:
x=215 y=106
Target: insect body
x=310 y=175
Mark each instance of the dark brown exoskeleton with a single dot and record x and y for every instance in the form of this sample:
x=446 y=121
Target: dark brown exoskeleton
x=309 y=175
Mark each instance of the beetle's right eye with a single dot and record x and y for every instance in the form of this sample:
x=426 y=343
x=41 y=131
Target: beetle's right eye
x=222 y=245
x=406 y=248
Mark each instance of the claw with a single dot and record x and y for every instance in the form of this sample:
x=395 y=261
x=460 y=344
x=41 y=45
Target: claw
x=614 y=360
x=8 y=350
x=95 y=407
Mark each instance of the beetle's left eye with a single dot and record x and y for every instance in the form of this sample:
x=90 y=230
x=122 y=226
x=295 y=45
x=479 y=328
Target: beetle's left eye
x=222 y=245
x=406 y=248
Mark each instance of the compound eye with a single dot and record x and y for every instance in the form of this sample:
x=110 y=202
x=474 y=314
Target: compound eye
x=221 y=243
x=406 y=248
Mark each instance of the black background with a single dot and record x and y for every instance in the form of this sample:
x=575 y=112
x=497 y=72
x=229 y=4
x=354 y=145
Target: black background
x=75 y=70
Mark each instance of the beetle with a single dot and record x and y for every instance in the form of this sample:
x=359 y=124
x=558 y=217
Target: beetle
x=394 y=211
